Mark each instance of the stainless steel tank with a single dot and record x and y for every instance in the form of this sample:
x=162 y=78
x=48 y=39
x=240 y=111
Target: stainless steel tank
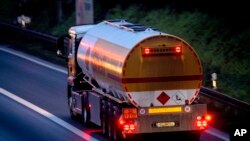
x=140 y=64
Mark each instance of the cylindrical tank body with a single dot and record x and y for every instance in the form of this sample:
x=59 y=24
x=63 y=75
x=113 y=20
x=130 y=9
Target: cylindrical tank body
x=141 y=65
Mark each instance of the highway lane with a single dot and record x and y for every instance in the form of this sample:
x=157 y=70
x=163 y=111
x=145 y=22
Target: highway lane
x=41 y=86
x=23 y=124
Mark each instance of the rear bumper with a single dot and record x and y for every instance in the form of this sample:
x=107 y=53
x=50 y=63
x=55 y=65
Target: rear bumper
x=170 y=121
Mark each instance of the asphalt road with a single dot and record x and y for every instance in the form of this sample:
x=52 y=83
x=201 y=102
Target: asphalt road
x=44 y=85
x=23 y=124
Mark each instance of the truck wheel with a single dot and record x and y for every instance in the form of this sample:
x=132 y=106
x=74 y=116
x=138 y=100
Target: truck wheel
x=110 y=128
x=86 y=116
x=104 y=119
x=104 y=125
x=70 y=104
x=86 y=111
x=110 y=122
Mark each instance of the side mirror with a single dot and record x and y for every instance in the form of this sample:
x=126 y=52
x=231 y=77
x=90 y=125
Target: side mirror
x=62 y=47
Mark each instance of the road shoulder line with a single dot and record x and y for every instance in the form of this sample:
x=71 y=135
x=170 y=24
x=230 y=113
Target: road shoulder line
x=32 y=60
x=214 y=132
x=48 y=115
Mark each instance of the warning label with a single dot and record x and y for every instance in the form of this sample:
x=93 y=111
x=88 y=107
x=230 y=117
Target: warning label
x=178 y=97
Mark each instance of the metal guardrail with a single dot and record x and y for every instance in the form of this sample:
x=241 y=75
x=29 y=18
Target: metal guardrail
x=210 y=93
x=225 y=99
x=38 y=35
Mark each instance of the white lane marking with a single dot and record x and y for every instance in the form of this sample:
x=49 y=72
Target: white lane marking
x=48 y=115
x=217 y=133
x=33 y=60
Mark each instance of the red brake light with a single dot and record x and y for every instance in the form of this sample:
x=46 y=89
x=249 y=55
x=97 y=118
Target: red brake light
x=198 y=118
x=129 y=113
x=161 y=51
x=146 y=51
x=208 y=118
x=121 y=122
x=177 y=49
x=198 y=123
x=129 y=127
x=126 y=127
x=132 y=127
x=202 y=121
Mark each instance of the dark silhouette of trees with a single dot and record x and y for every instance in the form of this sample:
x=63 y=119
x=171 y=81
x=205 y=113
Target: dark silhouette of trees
x=55 y=10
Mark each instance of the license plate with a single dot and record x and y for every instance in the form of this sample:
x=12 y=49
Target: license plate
x=165 y=124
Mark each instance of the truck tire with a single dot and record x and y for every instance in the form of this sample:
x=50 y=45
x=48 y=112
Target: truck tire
x=104 y=119
x=86 y=116
x=85 y=110
x=105 y=125
x=110 y=120
x=73 y=115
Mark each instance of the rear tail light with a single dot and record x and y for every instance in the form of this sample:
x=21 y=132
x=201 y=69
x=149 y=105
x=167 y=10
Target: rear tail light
x=177 y=49
x=127 y=126
x=129 y=113
x=202 y=121
x=158 y=51
x=132 y=127
x=146 y=51
x=208 y=118
x=121 y=122
x=127 y=120
x=198 y=123
x=198 y=118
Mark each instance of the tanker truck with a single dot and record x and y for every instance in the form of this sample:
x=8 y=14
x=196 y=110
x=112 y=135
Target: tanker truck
x=132 y=79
